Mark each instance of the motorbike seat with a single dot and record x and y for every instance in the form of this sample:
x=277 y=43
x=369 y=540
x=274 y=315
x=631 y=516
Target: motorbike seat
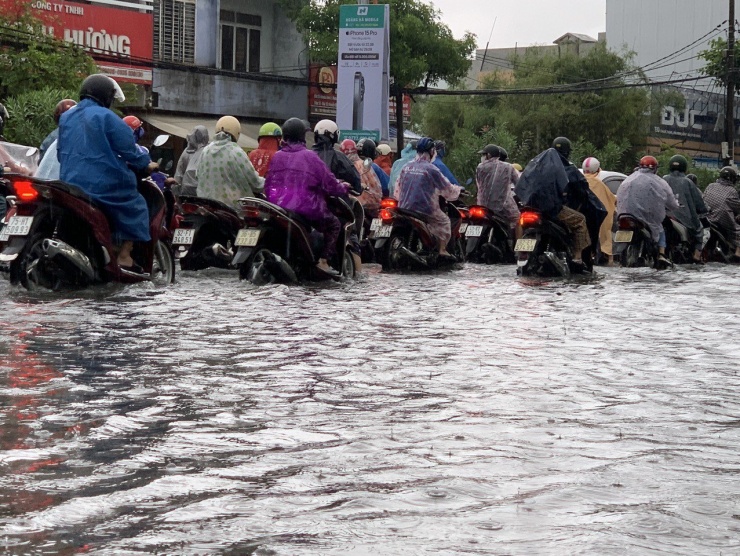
x=413 y=214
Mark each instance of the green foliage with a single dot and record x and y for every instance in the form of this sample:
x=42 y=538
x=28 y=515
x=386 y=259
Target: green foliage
x=32 y=115
x=610 y=155
x=705 y=176
x=716 y=61
x=423 y=49
x=31 y=60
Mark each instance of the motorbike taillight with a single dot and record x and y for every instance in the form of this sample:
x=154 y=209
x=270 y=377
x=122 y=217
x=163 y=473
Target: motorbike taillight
x=530 y=219
x=386 y=215
x=478 y=212
x=189 y=208
x=626 y=223
x=388 y=202
x=25 y=191
x=251 y=213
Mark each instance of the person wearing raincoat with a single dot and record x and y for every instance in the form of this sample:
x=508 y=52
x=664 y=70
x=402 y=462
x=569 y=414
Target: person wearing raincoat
x=723 y=202
x=372 y=191
x=300 y=182
x=494 y=179
x=269 y=139
x=96 y=151
x=407 y=155
x=441 y=149
x=187 y=167
x=326 y=135
x=591 y=169
x=647 y=197
x=49 y=165
x=419 y=188
x=367 y=150
x=691 y=204
x=225 y=173
x=384 y=158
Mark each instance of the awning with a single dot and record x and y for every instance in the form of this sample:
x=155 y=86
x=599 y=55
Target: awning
x=181 y=126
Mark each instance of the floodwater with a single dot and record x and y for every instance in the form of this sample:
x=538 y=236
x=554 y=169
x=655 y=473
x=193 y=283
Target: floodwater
x=468 y=412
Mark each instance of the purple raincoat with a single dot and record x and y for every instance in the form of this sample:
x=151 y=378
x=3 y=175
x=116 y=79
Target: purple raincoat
x=299 y=181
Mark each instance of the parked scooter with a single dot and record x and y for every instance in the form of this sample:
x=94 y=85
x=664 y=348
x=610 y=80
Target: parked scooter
x=205 y=233
x=633 y=244
x=403 y=240
x=278 y=246
x=56 y=238
x=488 y=238
x=545 y=248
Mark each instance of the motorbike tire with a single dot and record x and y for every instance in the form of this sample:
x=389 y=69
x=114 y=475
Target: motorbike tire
x=392 y=255
x=25 y=271
x=163 y=265
x=348 y=265
x=257 y=268
x=632 y=256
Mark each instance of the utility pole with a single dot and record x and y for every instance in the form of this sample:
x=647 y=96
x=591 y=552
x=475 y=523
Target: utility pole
x=729 y=158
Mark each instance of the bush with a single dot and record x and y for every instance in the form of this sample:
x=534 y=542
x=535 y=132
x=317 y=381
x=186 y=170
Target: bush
x=32 y=115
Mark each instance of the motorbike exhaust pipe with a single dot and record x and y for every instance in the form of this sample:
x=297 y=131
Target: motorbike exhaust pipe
x=560 y=265
x=421 y=260
x=54 y=248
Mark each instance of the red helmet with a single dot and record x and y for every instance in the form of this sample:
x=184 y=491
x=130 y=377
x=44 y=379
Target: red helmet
x=135 y=124
x=348 y=146
x=649 y=162
x=62 y=107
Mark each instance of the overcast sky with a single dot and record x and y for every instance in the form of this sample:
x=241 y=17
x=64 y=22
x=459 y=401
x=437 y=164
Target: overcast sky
x=522 y=22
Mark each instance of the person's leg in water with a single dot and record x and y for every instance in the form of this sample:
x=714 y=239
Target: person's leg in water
x=329 y=227
x=575 y=222
x=662 y=244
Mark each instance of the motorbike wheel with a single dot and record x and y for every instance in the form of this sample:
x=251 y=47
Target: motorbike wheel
x=163 y=265
x=348 y=265
x=257 y=268
x=393 y=255
x=30 y=269
x=632 y=256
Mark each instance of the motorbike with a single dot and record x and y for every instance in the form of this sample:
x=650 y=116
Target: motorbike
x=56 y=237
x=403 y=241
x=279 y=246
x=718 y=248
x=545 y=248
x=680 y=241
x=205 y=232
x=633 y=243
x=488 y=238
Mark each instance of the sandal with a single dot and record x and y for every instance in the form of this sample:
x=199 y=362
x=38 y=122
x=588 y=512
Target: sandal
x=133 y=269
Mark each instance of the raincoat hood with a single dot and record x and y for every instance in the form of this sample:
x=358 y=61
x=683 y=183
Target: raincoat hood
x=269 y=143
x=197 y=138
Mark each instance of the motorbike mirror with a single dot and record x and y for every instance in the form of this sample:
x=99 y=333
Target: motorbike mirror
x=159 y=162
x=31 y=151
x=160 y=140
x=168 y=167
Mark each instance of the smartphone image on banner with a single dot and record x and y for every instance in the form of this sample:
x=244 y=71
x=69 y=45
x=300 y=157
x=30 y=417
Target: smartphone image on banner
x=358 y=104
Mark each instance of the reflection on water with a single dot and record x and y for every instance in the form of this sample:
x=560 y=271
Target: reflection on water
x=459 y=413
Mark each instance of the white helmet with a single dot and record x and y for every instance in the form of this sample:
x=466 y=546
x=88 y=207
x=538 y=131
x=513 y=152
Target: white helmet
x=384 y=149
x=230 y=125
x=591 y=165
x=328 y=128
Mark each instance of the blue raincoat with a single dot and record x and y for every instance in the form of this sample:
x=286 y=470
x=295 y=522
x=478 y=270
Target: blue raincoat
x=382 y=178
x=407 y=155
x=446 y=172
x=93 y=148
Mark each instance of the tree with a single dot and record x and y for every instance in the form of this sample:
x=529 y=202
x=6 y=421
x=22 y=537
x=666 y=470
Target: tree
x=716 y=61
x=32 y=115
x=423 y=49
x=32 y=60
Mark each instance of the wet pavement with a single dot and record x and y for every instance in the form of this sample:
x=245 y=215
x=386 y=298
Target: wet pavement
x=468 y=412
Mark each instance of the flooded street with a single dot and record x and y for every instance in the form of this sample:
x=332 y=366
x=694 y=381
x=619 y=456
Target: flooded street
x=468 y=412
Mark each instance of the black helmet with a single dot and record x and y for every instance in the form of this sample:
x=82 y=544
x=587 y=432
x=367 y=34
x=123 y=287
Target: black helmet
x=425 y=145
x=441 y=147
x=678 y=163
x=494 y=151
x=294 y=130
x=693 y=178
x=562 y=145
x=504 y=155
x=728 y=173
x=366 y=148
x=101 y=88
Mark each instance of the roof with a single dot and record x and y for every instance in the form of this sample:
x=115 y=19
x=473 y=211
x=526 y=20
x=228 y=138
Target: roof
x=570 y=37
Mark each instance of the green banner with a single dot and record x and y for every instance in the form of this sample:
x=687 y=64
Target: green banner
x=353 y=16
x=357 y=134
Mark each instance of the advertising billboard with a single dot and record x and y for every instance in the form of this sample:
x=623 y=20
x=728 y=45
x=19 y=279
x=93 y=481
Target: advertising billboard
x=114 y=37
x=362 y=77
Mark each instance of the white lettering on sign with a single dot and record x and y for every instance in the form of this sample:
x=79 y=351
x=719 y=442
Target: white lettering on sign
x=687 y=118
x=39 y=5
x=99 y=41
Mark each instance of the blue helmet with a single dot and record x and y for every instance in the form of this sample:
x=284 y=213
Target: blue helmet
x=425 y=145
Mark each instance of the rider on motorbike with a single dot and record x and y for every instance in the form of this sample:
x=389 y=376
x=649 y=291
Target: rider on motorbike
x=299 y=181
x=723 y=202
x=384 y=159
x=225 y=172
x=326 y=135
x=367 y=150
x=269 y=138
x=441 y=149
x=494 y=179
x=647 y=197
x=419 y=187
x=49 y=166
x=407 y=155
x=591 y=169
x=187 y=166
x=691 y=205
x=372 y=191
x=96 y=150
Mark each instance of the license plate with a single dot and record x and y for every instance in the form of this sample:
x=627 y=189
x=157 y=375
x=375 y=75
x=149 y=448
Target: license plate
x=183 y=236
x=16 y=226
x=474 y=231
x=623 y=236
x=525 y=245
x=463 y=227
x=375 y=224
x=384 y=231
x=247 y=237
